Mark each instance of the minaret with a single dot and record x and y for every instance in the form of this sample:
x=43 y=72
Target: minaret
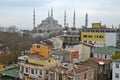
x=48 y=14
x=65 y=19
x=74 y=19
x=34 y=19
x=86 y=20
x=51 y=12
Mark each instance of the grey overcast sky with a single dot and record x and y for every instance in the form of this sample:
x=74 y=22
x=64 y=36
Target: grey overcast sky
x=20 y=12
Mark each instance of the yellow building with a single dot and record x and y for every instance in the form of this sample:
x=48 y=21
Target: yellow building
x=35 y=67
x=99 y=35
x=93 y=36
x=2 y=66
x=41 y=49
x=96 y=25
x=29 y=78
x=42 y=61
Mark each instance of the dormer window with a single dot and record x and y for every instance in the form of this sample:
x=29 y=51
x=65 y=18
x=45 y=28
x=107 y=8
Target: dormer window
x=38 y=46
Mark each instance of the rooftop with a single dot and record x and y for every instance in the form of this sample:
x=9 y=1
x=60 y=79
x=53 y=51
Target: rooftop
x=38 y=60
x=72 y=68
x=66 y=35
x=100 y=60
x=11 y=73
x=106 y=49
x=79 y=43
x=102 y=28
x=117 y=60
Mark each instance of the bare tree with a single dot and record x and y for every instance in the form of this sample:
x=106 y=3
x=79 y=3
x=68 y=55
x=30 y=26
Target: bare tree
x=12 y=29
x=2 y=29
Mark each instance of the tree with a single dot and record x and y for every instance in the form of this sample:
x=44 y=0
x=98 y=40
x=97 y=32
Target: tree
x=116 y=56
x=12 y=29
x=6 y=58
x=15 y=42
x=2 y=29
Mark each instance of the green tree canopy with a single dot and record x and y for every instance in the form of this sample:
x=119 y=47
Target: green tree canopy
x=116 y=56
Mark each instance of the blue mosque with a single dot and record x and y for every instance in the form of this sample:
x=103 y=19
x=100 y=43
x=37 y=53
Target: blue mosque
x=49 y=24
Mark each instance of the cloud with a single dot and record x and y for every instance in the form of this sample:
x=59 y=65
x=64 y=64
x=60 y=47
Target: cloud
x=19 y=12
x=23 y=3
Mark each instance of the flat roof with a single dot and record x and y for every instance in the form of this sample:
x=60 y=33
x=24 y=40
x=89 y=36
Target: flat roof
x=117 y=60
x=65 y=35
x=11 y=73
x=106 y=50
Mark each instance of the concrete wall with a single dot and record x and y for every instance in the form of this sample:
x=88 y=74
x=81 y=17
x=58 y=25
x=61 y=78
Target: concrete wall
x=98 y=55
x=115 y=70
x=57 y=42
x=110 y=39
x=84 y=51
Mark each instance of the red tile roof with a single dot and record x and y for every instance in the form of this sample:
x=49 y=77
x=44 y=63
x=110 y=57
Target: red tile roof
x=97 y=60
x=76 y=68
x=80 y=69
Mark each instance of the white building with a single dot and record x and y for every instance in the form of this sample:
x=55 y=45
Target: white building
x=111 y=39
x=82 y=48
x=105 y=52
x=116 y=70
x=57 y=42
x=35 y=67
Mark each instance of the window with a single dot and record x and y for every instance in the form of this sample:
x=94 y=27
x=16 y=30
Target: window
x=78 y=77
x=85 y=76
x=38 y=46
x=74 y=56
x=60 y=77
x=102 y=36
x=85 y=41
x=22 y=68
x=36 y=71
x=26 y=70
x=105 y=56
x=97 y=55
x=32 y=71
x=85 y=36
x=117 y=65
x=91 y=74
x=95 y=36
x=40 y=72
x=90 y=41
x=117 y=75
x=90 y=36
x=69 y=78
x=101 y=56
x=99 y=36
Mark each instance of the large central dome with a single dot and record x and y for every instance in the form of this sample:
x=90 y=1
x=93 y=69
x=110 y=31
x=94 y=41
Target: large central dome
x=49 y=24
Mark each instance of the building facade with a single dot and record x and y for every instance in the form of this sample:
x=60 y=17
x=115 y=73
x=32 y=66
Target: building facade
x=105 y=52
x=49 y=24
x=70 y=36
x=101 y=68
x=35 y=67
x=41 y=49
x=71 y=72
x=83 y=49
x=116 y=69
x=100 y=36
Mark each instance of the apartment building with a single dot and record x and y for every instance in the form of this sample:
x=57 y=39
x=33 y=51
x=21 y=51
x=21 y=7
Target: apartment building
x=116 y=69
x=100 y=36
x=68 y=71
